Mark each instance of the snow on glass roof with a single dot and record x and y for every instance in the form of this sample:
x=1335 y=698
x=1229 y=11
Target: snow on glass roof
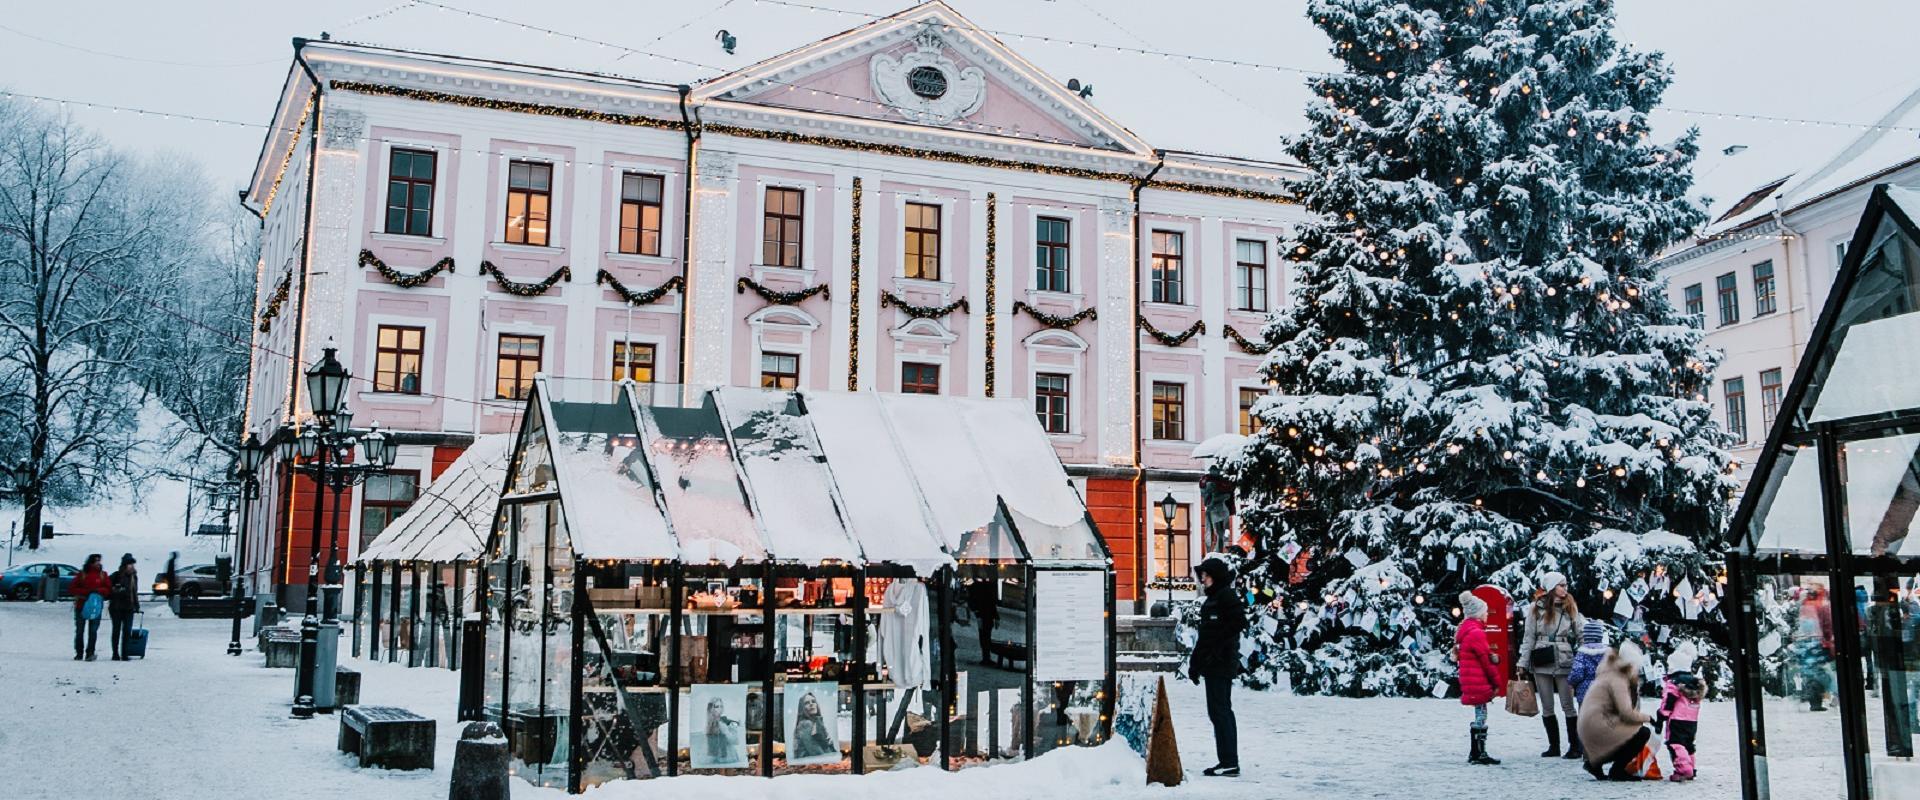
x=448 y=521
x=744 y=475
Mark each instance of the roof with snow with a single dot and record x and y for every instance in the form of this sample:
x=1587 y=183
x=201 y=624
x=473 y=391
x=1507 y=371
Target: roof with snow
x=449 y=520
x=737 y=475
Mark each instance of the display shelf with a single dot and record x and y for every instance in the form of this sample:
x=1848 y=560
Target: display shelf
x=742 y=611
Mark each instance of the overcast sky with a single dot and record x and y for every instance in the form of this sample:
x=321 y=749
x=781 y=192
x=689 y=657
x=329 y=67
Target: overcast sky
x=1838 y=60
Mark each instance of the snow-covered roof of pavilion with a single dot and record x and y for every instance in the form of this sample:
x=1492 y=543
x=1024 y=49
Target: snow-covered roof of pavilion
x=738 y=475
x=449 y=520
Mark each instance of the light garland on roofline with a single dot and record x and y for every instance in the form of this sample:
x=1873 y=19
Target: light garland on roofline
x=275 y=301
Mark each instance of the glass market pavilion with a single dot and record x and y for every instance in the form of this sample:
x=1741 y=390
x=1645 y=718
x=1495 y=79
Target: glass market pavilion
x=1828 y=609
x=738 y=581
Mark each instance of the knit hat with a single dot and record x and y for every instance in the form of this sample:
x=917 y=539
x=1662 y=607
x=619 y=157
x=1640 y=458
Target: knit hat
x=1630 y=653
x=1473 y=607
x=1552 y=579
x=1593 y=633
x=1682 y=658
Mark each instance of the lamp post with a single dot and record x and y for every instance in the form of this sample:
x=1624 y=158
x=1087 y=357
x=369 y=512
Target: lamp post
x=1168 y=507
x=252 y=453
x=328 y=445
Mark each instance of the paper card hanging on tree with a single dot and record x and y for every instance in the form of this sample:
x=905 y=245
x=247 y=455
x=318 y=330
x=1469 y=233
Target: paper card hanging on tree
x=1769 y=644
x=1624 y=607
x=1269 y=625
x=1453 y=562
x=1369 y=620
x=1357 y=558
x=1289 y=551
x=1440 y=689
x=1638 y=591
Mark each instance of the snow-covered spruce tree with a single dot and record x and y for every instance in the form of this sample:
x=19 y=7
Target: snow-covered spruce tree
x=1479 y=377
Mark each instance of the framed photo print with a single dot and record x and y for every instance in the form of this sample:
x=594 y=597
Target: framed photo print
x=717 y=726
x=813 y=723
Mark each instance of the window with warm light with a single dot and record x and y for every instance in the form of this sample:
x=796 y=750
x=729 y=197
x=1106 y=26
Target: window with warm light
x=1772 y=391
x=923 y=241
x=779 y=371
x=1052 y=265
x=1174 y=558
x=640 y=213
x=383 y=498
x=1169 y=267
x=919 y=378
x=1247 y=421
x=529 y=201
x=1169 y=411
x=1728 y=288
x=1250 y=275
x=1050 y=401
x=517 y=360
x=398 y=353
x=781 y=228
x=410 y=177
x=633 y=361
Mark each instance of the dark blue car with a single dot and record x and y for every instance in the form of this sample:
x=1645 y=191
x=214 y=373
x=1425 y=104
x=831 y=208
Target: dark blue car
x=23 y=582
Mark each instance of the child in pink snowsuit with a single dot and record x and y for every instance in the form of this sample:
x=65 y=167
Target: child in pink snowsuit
x=1679 y=713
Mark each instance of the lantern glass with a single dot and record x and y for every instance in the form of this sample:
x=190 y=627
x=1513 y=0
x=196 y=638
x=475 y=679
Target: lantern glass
x=327 y=384
x=1168 y=506
x=309 y=443
x=343 y=419
x=251 y=454
x=374 y=444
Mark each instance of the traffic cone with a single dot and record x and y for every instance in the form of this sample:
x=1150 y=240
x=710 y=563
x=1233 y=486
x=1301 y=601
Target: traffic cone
x=1163 y=753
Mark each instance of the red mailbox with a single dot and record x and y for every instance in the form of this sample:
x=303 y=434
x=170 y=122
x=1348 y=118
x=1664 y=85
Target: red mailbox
x=1499 y=623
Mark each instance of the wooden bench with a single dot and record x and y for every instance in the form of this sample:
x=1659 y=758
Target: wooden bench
x=1006 y=653
x=385 y=736
x=281 y=646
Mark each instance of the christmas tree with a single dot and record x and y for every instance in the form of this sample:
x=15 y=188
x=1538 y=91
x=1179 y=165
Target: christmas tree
x=1479 y=378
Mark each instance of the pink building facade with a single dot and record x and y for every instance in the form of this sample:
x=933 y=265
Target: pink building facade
x=908 y=206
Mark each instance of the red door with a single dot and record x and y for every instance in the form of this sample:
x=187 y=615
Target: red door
x=1497 y=627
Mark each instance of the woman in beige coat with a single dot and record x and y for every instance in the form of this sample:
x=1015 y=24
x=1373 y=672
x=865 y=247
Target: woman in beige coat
x=1611 y=724
x=1546 y=646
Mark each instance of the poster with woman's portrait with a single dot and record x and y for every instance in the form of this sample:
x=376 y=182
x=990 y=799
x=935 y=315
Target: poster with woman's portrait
x=813 y=723
x=717 y=725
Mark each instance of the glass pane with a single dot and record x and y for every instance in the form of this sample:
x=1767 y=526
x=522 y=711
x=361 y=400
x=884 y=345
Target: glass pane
x=1795 y=670
x=423 y=165
x=991 y=656
x=650 y=188
x=397 y=193
x=1882 y=480
x=1888 y=640
x=422 y=195
x=724 y=662
x=422 y=222
x=1787 y=517
x=1251 y=252
x=517 y=175
x=1870 y=361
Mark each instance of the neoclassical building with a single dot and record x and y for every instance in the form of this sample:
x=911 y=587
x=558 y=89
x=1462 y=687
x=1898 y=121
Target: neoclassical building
x=908 y=206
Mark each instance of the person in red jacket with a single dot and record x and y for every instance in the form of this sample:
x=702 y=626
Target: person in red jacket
x=91 y=581
x=1479 y=675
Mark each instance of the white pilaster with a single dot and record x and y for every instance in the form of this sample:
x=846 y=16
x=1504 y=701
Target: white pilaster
x=1118 y=304
x=710 y=296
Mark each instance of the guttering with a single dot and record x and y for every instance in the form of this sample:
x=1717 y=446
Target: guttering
x=1140 y=568
x=692 y=128
x=1786 y=272
x=306 y=278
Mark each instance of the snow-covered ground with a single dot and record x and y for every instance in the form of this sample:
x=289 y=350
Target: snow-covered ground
x=191 y=721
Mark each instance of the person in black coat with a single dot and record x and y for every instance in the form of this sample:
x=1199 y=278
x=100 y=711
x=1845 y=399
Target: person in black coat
x=123 y=601
x=1216 y=658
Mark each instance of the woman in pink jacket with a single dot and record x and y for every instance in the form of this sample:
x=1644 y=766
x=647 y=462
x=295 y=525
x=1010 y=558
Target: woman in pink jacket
x=1479 y=675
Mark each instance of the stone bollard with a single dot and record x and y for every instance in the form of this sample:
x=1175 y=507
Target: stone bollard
x=480 y=764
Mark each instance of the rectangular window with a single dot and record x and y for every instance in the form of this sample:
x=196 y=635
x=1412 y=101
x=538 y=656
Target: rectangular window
x=1169 y=411
x=1250 y=275
x=398 y=351
x=1050 y=401
x=1247 y=398
x=1696 y=305
x=410 y=192
x=1839 y=255
x=633 y=361
x=385 y=496
x=1728 y=289
x=640 y=213
x=518 y=360
x=923 y=241
x=529 y=201
x=1763 y=294
x=1771 y=391
x=919 y=378
x=1169 y=267
x=1051 y=262
x=780 y=230
x=1735 y=390
x=779 y=371
x=1174 y=540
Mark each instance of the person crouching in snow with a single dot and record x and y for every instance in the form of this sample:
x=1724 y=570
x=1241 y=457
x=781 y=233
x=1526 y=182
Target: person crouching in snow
x=1612 y=726
x=1679 y=716
x=1479 y=673
x=1216 y=659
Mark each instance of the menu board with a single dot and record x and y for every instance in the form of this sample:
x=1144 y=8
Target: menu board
x=1070 y=625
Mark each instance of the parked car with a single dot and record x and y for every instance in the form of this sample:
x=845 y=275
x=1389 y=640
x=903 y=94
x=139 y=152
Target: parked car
x=23 y=582
x=195 y=581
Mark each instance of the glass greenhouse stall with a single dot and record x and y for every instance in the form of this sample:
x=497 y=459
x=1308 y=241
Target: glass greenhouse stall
x=1829 y=592
x=738 y=581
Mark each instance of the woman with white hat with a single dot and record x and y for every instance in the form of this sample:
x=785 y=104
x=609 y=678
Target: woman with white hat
x=1552 y=628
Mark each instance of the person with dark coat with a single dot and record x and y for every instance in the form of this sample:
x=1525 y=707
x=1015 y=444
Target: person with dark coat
x=1216 y=658
x=983 y=599
x=1612 y=726
x=1479 y=673
x=122 y=603
x=91 y=581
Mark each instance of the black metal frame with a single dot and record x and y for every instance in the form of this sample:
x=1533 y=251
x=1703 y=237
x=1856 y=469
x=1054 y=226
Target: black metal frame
x=1839 y=564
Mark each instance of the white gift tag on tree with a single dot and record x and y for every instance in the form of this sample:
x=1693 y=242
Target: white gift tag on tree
x=1624 y=607
x=1358 y=558
x=1440 y=689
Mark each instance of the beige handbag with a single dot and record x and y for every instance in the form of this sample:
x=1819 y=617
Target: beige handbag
x=1520 y=699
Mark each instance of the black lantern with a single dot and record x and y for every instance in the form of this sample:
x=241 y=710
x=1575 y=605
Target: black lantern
x=1168 y=507
x=308 y=444
x=21 y=474
x=343 y=419
x=378 y=449
x=327 y=384
x=252 y=453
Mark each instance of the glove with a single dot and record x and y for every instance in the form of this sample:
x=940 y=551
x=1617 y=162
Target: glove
x=1193 y=676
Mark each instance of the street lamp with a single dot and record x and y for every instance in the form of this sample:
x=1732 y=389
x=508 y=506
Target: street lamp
x=252 y=455
x=1168 y=507
x=327 y=385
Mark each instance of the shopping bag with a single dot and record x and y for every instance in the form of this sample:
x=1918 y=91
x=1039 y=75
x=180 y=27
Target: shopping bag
x=136 y=644
x=1654 y=762
x=92 y=607
x=1520 y=699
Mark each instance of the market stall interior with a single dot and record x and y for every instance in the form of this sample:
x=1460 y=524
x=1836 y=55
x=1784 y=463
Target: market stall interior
x=738 y=581
x=1829 y=612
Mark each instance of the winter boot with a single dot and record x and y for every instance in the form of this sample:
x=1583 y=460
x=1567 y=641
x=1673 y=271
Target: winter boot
x=1477 y=751
x=1221 y=771
x=1553 y=737
x=1594 y=770
x=1574 y=750
x=1682 y=763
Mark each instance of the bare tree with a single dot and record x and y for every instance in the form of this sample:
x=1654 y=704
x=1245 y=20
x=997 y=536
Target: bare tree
x=85 y=237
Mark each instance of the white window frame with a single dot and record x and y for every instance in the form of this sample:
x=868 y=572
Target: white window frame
x=810 y=205
x=1076 y=283
x=668 y=208
x=1188 y=404
x=1057 y=341
x=782 y=318
x=548 y=353
x=1189 y=265
x=442 y=155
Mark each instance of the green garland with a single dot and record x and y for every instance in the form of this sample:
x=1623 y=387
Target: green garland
x=889 y=299
x=992 y=291
x=274 y=302
x=1250 y=347
x=853 y=302
x=1051 y=321
x=780 y=298
x=647 y=297
x=514 y=287
x=405 y=280
x=1171 y=339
